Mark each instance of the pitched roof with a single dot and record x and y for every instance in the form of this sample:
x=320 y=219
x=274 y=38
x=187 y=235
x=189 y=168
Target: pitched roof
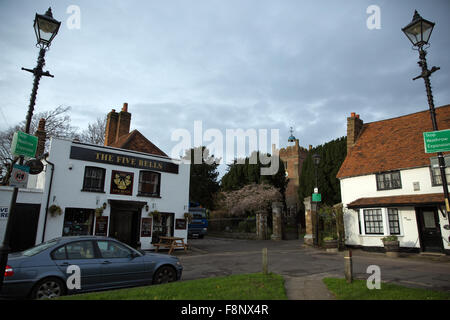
x=137 y=142
x=393 y=144
x=407 y=200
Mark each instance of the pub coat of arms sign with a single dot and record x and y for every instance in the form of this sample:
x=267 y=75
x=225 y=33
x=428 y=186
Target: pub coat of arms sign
x=122 y=183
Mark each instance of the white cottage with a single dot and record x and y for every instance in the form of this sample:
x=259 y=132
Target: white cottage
x=390 y=186
x=127 y=189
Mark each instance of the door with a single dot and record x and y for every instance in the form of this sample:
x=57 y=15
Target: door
x=429 y=229
x=125 y=226
x=24 y=226
x=121 y=226
x=120 y=267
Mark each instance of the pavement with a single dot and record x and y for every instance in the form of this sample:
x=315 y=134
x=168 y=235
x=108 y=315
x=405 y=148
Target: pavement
x=303 y=268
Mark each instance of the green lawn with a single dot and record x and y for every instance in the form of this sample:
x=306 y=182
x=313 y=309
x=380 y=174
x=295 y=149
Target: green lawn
x=358 y=290
x=236 y=287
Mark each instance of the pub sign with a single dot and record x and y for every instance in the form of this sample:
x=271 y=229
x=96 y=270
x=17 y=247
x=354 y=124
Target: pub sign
x=122 y=183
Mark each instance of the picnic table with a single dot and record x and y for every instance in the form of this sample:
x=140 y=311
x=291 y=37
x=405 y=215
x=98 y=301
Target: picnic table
x=171 y=243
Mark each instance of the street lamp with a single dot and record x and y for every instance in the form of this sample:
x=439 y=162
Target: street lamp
x=316 y=161
x=418 y=32
x=46 y=29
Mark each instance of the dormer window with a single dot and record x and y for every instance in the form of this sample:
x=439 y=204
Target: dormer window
x=389 y=180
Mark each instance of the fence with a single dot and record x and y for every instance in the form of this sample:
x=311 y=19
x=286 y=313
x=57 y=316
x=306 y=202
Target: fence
x=233 y=227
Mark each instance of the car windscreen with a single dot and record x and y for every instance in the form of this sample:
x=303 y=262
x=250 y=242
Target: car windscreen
x=39 y=248
x=198 y=216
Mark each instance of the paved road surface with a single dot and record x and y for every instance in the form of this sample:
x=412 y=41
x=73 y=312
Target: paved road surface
x=211 y=257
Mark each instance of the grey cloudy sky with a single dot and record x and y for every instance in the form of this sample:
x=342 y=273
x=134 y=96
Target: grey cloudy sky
x=260 y=64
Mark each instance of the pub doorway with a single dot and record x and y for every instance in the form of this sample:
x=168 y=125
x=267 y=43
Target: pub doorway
x=125 y=222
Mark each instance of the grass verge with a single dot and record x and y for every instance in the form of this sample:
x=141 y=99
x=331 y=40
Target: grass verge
x=357 y=290
x=254 y=286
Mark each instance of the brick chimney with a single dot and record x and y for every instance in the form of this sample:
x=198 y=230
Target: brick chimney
x=41 y=135
x=123 y=125
x=354 y=126
x=111 y=127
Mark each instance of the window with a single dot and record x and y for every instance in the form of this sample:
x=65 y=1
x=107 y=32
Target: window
x=389 y=180
x=373 y=221
x=59 y=254
x=94 y=179
x=436 y=172
x=78 y=222
x=394 y=225
x=110 y=249
x=80 y=250
x=149 y=183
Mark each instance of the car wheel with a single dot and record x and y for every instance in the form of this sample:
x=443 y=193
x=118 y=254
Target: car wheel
x=165 y=274
x=48 y=288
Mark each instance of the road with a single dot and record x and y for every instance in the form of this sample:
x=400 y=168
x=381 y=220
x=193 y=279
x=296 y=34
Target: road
x=211 y=257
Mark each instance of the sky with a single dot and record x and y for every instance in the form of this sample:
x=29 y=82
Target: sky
x=227 y=64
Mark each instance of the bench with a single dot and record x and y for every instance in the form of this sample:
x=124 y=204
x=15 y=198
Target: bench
x=171 y=243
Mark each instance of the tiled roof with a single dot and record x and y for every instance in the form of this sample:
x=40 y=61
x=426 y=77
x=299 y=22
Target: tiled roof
x=407 y=200
x=138 y=142
x=393 y=144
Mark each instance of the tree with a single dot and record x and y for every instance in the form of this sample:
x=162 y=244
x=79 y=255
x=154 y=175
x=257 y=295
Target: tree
x=95 y=132
x=243 y=172
x=249 y=200
x=332 y=154
x=203 y=183
x=57 y=124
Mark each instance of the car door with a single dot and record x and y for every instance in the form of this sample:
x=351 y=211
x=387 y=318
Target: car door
x=120 y=265
x=81 y=254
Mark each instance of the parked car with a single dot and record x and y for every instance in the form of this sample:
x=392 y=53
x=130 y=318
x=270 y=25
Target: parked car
x=42 y=271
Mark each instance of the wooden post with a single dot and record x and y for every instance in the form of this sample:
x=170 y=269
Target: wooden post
x=264 y=261
x=348 y=266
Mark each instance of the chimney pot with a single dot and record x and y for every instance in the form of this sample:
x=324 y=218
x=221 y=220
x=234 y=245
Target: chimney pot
x=352 y=114
x=357 y=116
x=125 y=107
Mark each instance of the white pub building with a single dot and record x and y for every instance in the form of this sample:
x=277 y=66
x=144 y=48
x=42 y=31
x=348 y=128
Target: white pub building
x=127 y=189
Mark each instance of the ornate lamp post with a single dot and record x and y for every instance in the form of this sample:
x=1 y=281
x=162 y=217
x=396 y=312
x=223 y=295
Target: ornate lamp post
x=46 y=29
x=316 y=161
x=418 y=32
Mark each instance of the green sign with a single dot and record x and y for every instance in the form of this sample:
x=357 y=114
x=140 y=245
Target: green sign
x=437 y=141
x=316 y=197
x=24 y=144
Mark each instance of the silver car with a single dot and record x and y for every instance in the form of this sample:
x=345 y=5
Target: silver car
x=50 y=269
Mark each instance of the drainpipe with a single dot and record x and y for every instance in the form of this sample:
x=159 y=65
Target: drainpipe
x=48 y=196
